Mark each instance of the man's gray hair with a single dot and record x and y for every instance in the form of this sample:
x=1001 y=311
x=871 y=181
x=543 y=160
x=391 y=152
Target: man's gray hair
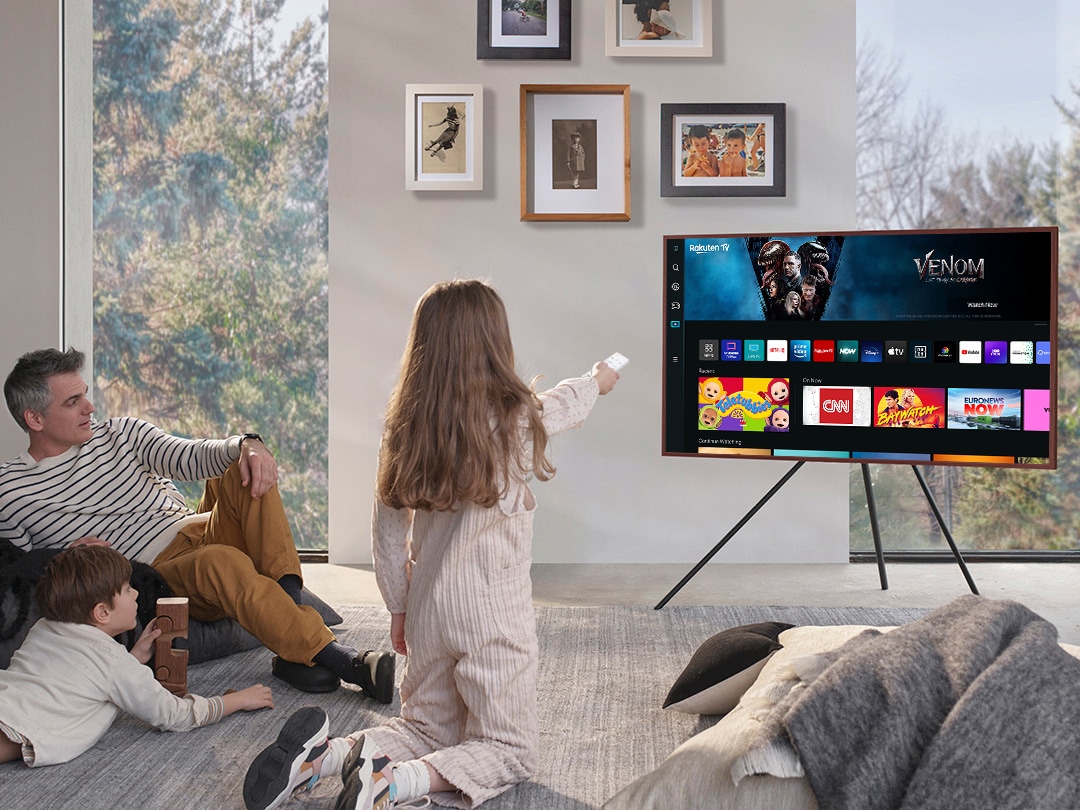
x=27 y=386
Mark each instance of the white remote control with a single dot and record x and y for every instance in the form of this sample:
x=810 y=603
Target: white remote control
x=615 y=363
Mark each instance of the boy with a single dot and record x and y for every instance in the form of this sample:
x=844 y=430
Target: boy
x=733 y=163
x=700 y=162
x=70 y=679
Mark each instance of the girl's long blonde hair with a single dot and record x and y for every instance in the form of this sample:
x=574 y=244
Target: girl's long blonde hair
x=453 y=430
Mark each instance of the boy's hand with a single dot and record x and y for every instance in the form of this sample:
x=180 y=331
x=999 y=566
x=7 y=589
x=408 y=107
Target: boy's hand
x=248 y=700
x=605 y=377
x=144 y=647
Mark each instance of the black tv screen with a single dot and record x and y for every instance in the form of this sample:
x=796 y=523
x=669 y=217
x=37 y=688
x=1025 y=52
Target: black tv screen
x=915 y=347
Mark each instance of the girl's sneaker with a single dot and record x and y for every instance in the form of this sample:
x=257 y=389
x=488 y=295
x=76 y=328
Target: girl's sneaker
x=287 y=764
x=368 y=778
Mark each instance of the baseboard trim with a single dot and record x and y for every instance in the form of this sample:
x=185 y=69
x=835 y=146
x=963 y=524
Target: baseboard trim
x=972 y=555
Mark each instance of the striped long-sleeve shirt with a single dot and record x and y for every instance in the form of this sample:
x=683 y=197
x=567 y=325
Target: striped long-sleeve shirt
x=117 y=486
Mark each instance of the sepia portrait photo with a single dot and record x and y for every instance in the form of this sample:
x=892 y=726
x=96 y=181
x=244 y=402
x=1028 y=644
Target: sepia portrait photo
x=573 y=154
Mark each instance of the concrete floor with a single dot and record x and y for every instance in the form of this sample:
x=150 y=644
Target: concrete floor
x=1047 y=588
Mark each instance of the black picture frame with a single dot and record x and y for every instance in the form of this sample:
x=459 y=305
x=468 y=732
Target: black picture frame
x=532 y=47
x=764 y=165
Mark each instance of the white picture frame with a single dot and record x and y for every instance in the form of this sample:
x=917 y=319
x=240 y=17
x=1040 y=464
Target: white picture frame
x=444 y=137
x=690 y=33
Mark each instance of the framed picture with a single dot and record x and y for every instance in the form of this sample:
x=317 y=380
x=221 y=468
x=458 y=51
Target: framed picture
x=575 y=152
x=658 y=28
x=523 y=29
x=444 y=137
x=722 y=150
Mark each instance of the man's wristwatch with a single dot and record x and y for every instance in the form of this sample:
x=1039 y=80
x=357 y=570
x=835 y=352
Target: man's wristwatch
x=246 y=436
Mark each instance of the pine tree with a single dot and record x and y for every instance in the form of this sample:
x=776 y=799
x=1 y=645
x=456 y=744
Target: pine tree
x=211 y=230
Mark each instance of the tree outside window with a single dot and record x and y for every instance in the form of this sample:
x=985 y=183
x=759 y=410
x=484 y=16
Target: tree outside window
x=915 y=171
x=210 y=228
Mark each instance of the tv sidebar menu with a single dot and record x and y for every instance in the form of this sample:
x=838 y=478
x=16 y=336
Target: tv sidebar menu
x=678 y=365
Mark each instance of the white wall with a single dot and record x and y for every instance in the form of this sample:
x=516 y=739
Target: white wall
x=37 y=164
x=576 y=291
x=30 y=165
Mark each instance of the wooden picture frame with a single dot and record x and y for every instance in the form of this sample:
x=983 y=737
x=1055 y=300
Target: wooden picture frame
x=575 y=152
x=699 y=159
x=444 y=137
x=522 y=34
x=683 y=28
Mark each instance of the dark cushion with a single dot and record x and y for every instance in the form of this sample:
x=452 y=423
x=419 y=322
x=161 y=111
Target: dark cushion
x=724 y=667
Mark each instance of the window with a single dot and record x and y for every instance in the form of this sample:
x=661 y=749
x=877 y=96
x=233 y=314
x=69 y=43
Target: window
x=210 y=150
x=959 y=125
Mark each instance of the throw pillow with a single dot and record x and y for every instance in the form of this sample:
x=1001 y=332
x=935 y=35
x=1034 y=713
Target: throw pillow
x=724 y=667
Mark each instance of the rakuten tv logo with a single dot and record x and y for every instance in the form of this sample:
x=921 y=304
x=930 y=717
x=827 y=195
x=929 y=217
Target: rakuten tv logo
x=824 y=351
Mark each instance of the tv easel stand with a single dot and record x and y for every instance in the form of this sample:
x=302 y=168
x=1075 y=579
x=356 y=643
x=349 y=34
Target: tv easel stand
x=871 y=507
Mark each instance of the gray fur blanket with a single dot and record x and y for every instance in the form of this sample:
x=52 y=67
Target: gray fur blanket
x=973 y=706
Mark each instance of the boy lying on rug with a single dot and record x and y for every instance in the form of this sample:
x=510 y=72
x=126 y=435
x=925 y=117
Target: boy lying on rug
x=69 y=680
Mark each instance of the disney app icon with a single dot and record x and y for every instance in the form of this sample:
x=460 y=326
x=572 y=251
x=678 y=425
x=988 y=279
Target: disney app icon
x=872 y=350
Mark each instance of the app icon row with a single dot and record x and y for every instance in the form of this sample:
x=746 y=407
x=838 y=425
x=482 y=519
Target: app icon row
x=992 y=352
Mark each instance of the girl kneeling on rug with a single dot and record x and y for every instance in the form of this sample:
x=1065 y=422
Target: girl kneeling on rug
x=463 y=435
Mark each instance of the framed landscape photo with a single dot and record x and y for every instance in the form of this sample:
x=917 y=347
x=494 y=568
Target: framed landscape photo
x=523 y=29
x=658 y=28
x=722 y=150
x=575 y=152
x=444 y=137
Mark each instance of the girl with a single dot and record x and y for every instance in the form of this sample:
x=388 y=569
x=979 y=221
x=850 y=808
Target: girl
x=451 y=541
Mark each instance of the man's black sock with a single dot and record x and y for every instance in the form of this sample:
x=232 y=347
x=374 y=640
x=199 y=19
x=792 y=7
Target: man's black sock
x=292 y=585
x=337 y=657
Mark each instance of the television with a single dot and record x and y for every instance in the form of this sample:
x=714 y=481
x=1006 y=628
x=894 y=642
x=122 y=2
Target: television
x=913 y=347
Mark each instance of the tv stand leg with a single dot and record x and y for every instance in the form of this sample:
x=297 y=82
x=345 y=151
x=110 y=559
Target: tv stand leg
x=945 y=530
x=871 y=507
x=745 y=519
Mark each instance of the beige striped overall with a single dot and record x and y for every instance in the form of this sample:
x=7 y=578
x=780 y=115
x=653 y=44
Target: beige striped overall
x=469 y=691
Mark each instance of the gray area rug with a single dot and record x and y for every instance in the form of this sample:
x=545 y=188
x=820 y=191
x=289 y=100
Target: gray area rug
x=604 y=672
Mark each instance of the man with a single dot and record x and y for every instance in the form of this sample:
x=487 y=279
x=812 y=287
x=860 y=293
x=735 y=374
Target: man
x=88 y=482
